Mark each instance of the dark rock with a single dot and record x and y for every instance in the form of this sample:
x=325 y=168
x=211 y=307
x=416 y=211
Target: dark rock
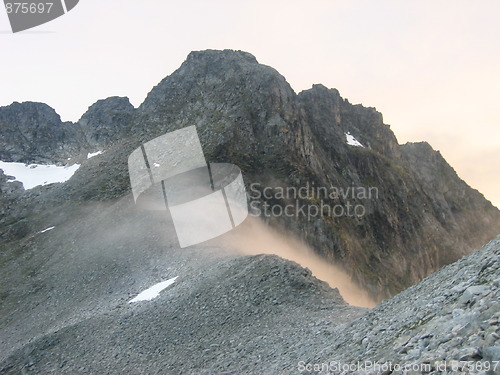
x=106 y=121
x=34 y=132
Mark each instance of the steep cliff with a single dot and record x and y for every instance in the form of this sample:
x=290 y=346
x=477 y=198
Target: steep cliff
x=422 y=217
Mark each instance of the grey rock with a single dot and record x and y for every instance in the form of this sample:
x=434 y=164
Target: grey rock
x=34 y=132
x=107 y=121
x=469 y=354
x=491 y=353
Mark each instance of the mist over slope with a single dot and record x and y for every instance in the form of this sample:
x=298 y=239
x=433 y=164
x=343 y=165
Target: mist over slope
x=228 y=313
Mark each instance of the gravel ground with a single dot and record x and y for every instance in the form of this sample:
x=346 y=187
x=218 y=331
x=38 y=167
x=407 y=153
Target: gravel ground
x=65 y=307
x=65 y=301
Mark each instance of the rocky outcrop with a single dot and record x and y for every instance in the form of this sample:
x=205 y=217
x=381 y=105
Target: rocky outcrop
x=34 y=132
x=8 y=187
x=242 y=110
x=106 y=121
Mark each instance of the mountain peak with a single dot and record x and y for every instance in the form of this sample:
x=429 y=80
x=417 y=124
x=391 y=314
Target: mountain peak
x=106 y=121
x=33 y=110
x=32 y=131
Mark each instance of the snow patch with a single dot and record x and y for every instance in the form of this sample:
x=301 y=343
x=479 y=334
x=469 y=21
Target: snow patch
x=37 y=174
x=351 y=141
x=153 y=292
x=92 y=154
x=46 y=230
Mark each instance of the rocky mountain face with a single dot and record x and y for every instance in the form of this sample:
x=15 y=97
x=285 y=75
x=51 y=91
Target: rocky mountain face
x=106 y=121
x=422 y=216
x=34 y=132
x=73 y=255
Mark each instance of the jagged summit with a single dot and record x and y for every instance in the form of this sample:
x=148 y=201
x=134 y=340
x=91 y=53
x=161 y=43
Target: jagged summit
x=32 y=131
x=106 y=121
x=218 y=56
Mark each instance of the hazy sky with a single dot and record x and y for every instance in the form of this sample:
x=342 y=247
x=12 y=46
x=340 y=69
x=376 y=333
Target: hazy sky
x=431 y=67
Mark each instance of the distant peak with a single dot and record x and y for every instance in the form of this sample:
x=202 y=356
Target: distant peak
x=30 y=106
x=418 y=146
x=319 y=86
x=319 y=89
x=119 y=101
x=27 y=109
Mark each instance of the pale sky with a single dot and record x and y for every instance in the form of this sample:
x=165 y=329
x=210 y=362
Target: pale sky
x=431 y=67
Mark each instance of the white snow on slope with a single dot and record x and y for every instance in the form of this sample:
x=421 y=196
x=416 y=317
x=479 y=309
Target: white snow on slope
x=351 y=141
x=36 y=174
x=92 y=154
x=46 y=230
x=153 y=292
